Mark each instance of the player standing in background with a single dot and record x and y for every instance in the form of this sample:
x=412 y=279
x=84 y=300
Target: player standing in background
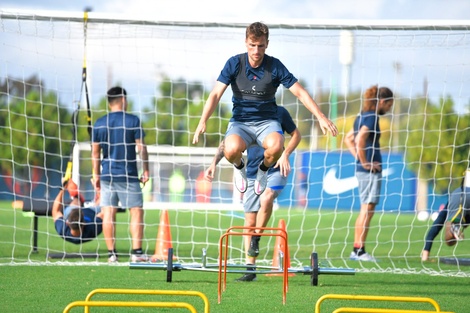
x=117 y=136
x=363 y=141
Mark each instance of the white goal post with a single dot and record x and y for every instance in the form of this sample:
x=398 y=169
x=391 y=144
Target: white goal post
x=190 y=161
x=168 y=69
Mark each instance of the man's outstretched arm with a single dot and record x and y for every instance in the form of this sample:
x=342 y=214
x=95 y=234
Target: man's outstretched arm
x=58 y=205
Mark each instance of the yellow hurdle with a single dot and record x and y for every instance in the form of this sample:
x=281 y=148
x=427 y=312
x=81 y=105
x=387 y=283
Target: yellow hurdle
x=87 y=304
x=369 y=310
x=378 y=298
x=148 y=292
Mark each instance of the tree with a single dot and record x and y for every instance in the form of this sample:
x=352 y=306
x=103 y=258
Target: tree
x=174 y=115
x=302 y=116
x=437 y=147
x=35 y=129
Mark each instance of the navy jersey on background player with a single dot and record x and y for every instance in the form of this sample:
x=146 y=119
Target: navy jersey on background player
x=119 y=156
x=369 y=119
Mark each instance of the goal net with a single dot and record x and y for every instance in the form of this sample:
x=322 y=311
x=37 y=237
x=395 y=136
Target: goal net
x=168 y=69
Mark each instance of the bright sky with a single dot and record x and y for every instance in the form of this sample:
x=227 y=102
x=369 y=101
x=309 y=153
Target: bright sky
x=262 y=9
x=364 y=70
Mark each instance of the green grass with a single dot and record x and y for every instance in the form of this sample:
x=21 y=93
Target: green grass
x=52 y=288
x=396 y=240
x=43 y=285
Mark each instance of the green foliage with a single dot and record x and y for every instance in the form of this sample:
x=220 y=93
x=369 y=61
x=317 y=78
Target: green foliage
x=344 y=124
x=433 y=137
x=302 y=117
x=35 y=128
x=174 y=115
x=345 y=108
x=437 y=146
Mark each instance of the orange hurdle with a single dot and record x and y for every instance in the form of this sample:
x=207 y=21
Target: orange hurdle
x=223 y=253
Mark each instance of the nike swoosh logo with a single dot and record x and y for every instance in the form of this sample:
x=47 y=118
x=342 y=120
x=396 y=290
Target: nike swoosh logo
x=334 y=186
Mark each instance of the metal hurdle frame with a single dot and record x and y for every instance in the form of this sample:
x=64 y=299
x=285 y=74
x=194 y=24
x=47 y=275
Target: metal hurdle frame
x=126 y=304
x=370 y=310
x=378 y=298
x=230 y=232
x=222 y=267
x=147 y=292
x=314 y=270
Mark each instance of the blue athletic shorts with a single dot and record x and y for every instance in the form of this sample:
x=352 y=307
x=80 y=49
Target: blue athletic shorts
x=121 y=194
x=251 y=203
x=369 y=186
x=253 y=133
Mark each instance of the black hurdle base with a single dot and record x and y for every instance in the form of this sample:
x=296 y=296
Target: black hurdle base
x=37 y=207
x=65 y=255
x=84 y=255
x=455 y=261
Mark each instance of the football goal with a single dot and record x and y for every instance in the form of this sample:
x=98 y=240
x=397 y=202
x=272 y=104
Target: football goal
x=57 y=66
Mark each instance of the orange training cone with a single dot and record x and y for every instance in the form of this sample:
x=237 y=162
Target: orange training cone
x=163 y=239
x=279 y=246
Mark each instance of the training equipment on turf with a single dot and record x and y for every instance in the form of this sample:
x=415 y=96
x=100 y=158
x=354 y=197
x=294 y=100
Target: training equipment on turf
x=224 y=267
x=70 y=172
x=248 y=231
x=279 y=246
x=456 y=261
x=314 y=270
x=89 y=302
x=390 y=299
x=164 y=241
x=169 y=68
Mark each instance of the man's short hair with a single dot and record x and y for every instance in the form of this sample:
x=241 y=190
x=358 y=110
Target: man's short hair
x=115 y=93
x=75 y=219
x=257 y=30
